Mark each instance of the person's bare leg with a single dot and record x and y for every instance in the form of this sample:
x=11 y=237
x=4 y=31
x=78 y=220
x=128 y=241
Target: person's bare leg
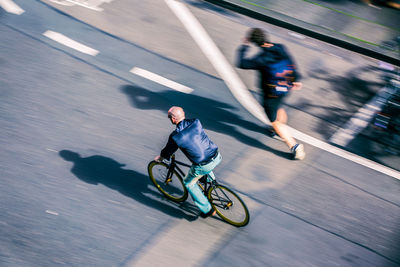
x=281 y=115
x=280 y=128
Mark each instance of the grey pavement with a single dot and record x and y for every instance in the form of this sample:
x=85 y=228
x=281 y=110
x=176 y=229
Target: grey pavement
x=78 y=132
x=366 y=29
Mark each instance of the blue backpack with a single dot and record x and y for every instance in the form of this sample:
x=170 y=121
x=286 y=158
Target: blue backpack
x=281 y=75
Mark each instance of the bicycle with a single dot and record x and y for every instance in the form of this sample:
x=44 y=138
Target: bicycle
x=167 y=177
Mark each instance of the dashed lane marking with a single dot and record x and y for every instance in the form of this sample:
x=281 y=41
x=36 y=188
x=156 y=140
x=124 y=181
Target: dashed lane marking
x=161 y=80
x=240 y=92
x=52 y=212
x=11 y=7
x=90 y=4
x=62 y=2
x=62 y=39
x=114 y=202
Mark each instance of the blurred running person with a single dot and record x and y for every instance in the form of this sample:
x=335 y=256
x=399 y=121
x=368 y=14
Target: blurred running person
x=190 y=137
x=274 y=82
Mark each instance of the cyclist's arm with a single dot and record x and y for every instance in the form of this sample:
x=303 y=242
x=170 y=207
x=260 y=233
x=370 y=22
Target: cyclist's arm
x=170 y=148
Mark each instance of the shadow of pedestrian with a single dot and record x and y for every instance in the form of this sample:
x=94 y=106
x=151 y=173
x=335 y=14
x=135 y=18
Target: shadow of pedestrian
x=353 y=90
x=215 y=115
x=103 y=170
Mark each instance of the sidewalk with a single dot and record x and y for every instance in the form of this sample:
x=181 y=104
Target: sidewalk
x=354 y=25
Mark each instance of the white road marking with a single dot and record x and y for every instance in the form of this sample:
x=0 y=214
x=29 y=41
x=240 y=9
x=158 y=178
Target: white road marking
x=299 y=36
x=386 y=66
x=86 y=4
x=90 y=4
x=52 y=150
x=242 y=94
x=62 y=39
x=52 y=212
x=344 y=154
x=361 y=119
x=62 y=2
x=11 y=7
x=333 y=55
x=114 y=202
x=377 y=7
x=161 y=80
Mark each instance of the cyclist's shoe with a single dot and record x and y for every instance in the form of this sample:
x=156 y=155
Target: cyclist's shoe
x=270 y=131
x=298 y=151
x=212 y=212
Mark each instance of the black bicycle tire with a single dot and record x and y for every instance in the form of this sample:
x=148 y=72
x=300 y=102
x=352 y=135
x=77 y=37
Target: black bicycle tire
x=153 y=180
x=220 y=214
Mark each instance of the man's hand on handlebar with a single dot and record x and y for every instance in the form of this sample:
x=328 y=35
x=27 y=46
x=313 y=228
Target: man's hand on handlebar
x=159 y=158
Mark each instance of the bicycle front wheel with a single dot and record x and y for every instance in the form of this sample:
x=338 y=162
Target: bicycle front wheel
x=172 y=187
x=229 y=206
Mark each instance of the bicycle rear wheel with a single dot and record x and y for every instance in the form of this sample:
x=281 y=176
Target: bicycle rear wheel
x=229 y=206
x=172 y=187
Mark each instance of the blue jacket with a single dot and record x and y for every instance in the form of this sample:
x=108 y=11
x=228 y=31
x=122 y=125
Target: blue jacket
x=190 y=137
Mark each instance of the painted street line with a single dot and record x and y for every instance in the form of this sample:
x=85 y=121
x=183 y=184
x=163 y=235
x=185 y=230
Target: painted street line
x=62 y=2
x=90 y=4
x=11 y=7
x=52 y=212
x=161 y=80
x=242 y=94
x=362 y=118
x=345 y=154
x=114 y=202
x=296 y=35
x=62 y=39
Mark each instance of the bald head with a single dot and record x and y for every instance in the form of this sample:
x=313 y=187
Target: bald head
x=176 y=114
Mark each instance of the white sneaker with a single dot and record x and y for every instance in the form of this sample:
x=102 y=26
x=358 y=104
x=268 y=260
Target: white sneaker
x=298 y=152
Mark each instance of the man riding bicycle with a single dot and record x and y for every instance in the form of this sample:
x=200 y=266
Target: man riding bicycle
x=190 y=137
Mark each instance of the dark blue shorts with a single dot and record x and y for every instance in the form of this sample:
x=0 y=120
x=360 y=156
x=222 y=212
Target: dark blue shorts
x=271 y=106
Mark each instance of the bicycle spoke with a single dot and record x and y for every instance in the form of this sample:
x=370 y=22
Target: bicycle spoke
x=170 y=184
x=228 y=205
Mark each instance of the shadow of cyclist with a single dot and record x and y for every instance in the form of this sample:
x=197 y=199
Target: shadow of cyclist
x=217 y=115
x=103 y=170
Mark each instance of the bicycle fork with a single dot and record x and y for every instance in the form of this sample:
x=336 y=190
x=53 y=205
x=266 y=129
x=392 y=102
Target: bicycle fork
x=226 y=201
x=221 y=196
x=170 y=172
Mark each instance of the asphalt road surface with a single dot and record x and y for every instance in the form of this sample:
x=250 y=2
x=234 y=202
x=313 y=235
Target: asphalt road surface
x=79 y=128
